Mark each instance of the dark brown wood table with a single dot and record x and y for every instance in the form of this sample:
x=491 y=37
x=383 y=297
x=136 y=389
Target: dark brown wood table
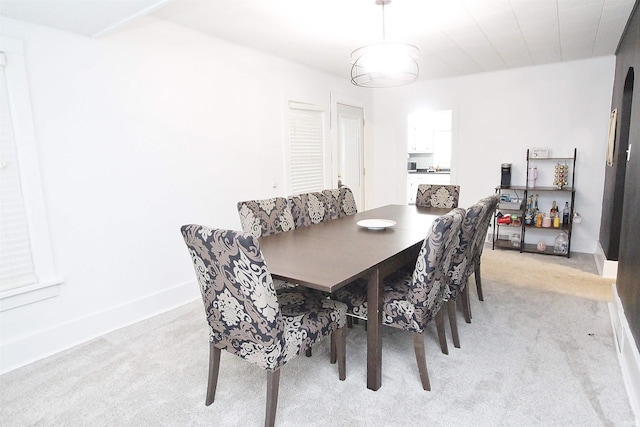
x=332 y=254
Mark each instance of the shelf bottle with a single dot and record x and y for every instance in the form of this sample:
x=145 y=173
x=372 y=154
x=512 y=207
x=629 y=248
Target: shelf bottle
x=565 y=214
x=528 y=214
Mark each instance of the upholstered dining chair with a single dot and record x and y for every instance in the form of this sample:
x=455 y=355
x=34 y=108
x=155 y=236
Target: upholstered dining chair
x=248 y=318
x=265 y=217
x=438 y=196
x=342 y=202
x=478 y=244
x=331 y=196
x=412 y=299
x=459 y=269
x=310 y=208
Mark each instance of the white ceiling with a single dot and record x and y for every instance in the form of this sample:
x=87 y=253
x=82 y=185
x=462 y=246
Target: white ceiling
x=455 y=37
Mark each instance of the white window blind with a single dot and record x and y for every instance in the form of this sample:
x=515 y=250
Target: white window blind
x=306 y=148
x=16 y=265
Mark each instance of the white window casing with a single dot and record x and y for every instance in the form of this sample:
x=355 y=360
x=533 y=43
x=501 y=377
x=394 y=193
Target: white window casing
x=27 y=270
x=16 y=266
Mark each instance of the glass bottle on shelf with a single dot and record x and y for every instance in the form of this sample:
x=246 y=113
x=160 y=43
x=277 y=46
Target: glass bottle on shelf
x=554 y=210
x=565 y=214
x=561 y=245
x=528 y=213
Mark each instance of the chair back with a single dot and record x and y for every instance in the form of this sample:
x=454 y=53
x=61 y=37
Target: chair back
x=483 y=225
x=332 y=196
x=347 y=202
x=428 y=282
x=342 y=202
x=438 y=196
x=237 y=290
x=461 y=259
x=266 y=216
x=310 y=208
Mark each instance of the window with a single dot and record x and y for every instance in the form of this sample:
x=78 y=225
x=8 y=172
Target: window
x=16 y=265
x=306 y=148
x=27 y=271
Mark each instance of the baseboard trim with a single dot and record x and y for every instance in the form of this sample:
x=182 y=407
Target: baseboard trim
x=627 y=351
x=606 y=268
x=28 y=349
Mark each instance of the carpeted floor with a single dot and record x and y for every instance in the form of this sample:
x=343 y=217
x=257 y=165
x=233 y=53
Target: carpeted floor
x=539 y=352
x=576 y=276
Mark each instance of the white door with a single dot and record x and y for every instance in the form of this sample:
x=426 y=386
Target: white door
x=350 y=151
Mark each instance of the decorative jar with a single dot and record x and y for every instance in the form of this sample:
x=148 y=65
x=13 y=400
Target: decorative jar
x=561 y=245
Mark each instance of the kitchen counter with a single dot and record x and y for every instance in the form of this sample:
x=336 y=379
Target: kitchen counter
x=421 y=176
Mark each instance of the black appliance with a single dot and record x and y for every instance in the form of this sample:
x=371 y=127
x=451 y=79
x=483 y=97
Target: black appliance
x=505 y=180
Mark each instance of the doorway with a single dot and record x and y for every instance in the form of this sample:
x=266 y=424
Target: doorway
x=429 y=140
x=350 y=151
x=621 y=166
x=429 y=145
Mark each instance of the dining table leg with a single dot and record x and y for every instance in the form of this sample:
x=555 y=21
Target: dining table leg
x=374 y=330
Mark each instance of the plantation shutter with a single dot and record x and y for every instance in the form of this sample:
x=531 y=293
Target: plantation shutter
x=306 y=148
x=16 y=265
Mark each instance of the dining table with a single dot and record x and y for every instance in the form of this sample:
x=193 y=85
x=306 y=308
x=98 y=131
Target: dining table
x=332 y=254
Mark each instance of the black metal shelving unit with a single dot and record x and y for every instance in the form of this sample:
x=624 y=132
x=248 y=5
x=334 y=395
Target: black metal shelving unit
x=567 y=193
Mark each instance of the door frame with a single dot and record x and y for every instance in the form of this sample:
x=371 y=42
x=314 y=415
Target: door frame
x=359 y=191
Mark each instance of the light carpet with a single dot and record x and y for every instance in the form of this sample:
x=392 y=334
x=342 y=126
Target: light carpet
x=535 y=355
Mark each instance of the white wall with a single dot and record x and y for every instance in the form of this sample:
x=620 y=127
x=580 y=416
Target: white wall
x=497 y=116
x=139 y=132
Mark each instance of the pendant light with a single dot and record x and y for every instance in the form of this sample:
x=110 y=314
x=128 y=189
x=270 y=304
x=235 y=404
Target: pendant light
x=384 y=64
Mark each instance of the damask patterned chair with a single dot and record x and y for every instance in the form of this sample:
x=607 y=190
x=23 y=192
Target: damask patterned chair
x=412 y=299
x=459 y=270
x=438 y=196
x=478 y=245
x=265 y=217
x=310 y=208
x=248 y=318
x=342 y=202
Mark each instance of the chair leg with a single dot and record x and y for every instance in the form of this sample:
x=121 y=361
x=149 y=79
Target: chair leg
x=442 y=334
x=352 y=320
x=466 y=307
x=273 y=382
x=478 y=281
x=214 y=368
x=340 y=344
x=453 y=322
x=333 y=357
x=418 y=346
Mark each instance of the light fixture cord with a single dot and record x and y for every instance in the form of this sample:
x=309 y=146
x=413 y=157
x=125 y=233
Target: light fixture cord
x=384 y=35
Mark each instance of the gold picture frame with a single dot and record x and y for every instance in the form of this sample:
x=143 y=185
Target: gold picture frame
x=611 y=140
